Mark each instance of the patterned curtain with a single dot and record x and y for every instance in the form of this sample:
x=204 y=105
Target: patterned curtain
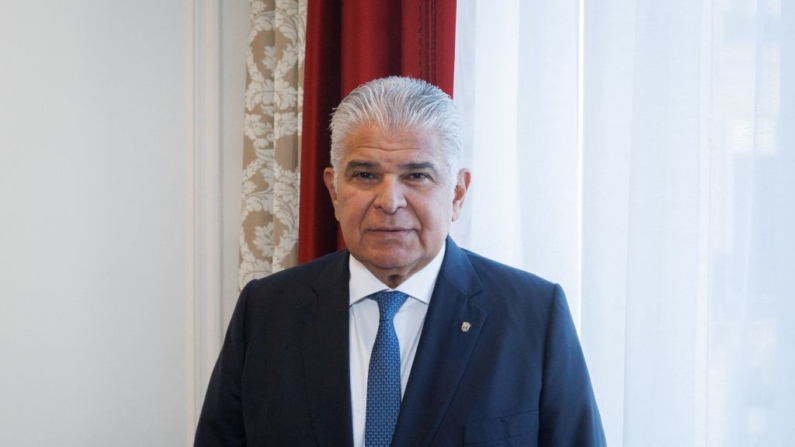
x=271 y=160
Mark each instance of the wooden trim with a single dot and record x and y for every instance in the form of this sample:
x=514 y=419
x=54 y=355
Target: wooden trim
x=203 y=232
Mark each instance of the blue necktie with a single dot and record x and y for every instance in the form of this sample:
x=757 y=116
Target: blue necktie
x=383 y=378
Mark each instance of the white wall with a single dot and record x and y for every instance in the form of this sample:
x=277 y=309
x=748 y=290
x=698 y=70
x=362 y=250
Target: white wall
x=96 y=315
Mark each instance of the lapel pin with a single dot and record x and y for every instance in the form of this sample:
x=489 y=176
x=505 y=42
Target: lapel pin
x=465 y=327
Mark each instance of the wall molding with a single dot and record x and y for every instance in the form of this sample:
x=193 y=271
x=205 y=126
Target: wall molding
x=203 y=232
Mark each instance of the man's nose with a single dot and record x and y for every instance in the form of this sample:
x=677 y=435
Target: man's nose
x=390 y=195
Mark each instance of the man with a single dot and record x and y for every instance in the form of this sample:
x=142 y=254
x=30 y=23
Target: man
x=403 y=339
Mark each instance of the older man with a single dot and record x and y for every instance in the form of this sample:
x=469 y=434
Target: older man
x=403 y=339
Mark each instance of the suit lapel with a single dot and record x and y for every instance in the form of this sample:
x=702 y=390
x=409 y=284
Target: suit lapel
x=443 y=352
x=324 y=348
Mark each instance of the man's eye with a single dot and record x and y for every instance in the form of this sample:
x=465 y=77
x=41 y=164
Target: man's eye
x=418 y=176
x=363 y=175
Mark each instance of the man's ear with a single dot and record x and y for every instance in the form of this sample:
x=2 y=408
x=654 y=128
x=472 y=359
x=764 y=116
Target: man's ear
x=460 y=192
x=328 y=178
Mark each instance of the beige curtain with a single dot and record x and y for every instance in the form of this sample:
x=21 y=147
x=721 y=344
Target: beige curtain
x=271 y=160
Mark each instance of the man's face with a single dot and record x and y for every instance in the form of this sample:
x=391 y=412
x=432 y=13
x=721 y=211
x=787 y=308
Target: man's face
x=394 y=199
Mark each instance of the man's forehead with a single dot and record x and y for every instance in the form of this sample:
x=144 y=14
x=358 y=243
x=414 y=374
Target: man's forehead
x=418 y=135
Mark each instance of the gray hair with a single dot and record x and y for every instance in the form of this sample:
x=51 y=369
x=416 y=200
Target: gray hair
x=399 y=103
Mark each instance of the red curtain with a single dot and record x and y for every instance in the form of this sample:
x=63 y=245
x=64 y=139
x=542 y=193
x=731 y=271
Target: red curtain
x=350 y=42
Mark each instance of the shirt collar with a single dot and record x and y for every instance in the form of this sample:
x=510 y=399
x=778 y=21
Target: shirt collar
x=419 y=285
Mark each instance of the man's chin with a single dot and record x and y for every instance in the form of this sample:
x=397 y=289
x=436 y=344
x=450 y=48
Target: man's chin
x=389 y=240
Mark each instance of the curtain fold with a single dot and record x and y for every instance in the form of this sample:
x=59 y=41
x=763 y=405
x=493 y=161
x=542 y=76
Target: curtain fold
x=273 y=116
x=349 y=43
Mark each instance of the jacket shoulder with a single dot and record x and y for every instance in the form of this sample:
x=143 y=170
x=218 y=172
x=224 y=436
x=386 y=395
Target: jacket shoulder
x=300 y=275
x=292 y=287
x=496 y=275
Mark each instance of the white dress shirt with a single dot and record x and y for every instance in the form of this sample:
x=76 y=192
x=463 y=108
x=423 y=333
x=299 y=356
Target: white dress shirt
x=363 y=316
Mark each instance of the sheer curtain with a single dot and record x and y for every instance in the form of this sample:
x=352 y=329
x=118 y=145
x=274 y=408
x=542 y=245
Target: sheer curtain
x=642 y=154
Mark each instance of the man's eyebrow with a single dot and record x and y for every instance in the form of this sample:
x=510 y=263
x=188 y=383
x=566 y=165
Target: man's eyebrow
x=419 y=166
x=355 y=164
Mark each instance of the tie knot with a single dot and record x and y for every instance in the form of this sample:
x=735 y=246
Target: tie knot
x=388 y=303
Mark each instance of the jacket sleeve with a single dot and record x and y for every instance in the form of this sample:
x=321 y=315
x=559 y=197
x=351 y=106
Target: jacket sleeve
x=568 y=412
x=221 y=420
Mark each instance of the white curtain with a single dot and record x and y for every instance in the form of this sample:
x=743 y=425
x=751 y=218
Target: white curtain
x=642 y=154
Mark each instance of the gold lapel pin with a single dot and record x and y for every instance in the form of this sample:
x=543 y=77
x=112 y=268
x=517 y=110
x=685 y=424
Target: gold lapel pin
x=465 y=327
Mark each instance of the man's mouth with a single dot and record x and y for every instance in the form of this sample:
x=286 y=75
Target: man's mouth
x=390 y=230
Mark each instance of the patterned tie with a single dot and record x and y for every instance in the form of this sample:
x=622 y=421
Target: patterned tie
x=383 y=379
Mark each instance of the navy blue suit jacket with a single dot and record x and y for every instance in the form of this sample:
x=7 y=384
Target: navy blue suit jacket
x=516 y=377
